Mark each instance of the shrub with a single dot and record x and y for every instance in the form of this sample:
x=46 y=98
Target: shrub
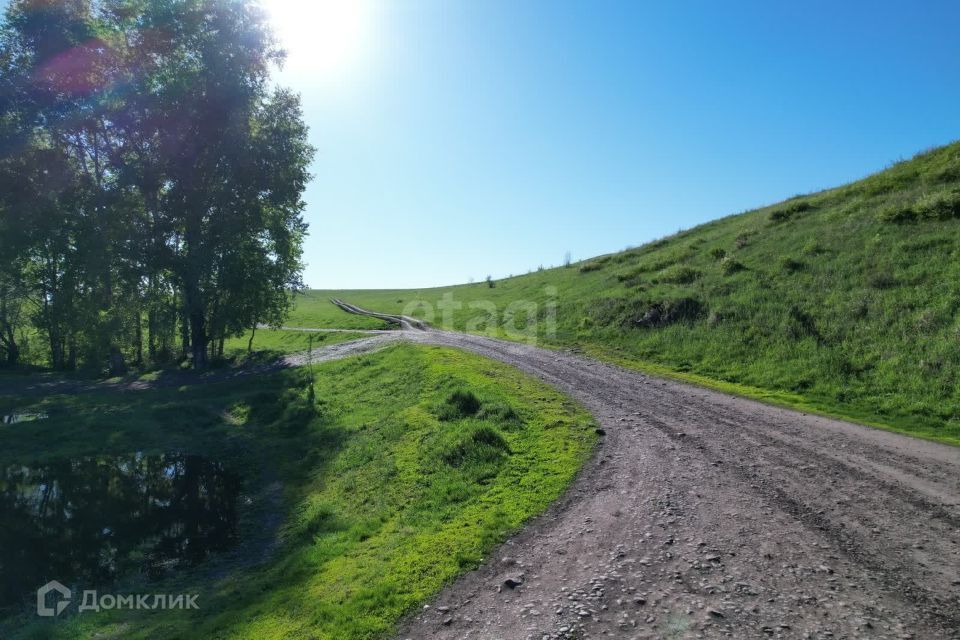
x=587 y=267
x=789 y=210
x=731 y=266
x=743 y=239
x=459 y=404
x=791 y=265
x=943 y=205
x=897 y=214
x=498 y=412
x=718 y=253
x=882 y=279
x=680 y=275
x=661 y=314
x=483 y=446
x=801 y=324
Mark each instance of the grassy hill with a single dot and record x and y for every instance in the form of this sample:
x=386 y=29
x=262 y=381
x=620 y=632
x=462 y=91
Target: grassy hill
x=410 y=465
x=844 y=301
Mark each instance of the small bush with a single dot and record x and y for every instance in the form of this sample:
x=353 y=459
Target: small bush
x=881 y=279
x=731 y=266
x=587 y=267
x=718 y=253
x=939 y=206
x=788 y=211
x=483 y=446
x=661 y=314
x=680 y=275
x=459 y=404
x=499 y=413
x=897 y=214
x=949 y=173
x=631 y=277
x=801 y=324
x=743 y=239
x=791 y=265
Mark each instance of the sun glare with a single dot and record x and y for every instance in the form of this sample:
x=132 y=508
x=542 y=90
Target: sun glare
x=325 y=38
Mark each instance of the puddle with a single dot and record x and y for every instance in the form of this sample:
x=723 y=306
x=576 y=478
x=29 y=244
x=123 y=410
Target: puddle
x=92 y=520
x=14 y=418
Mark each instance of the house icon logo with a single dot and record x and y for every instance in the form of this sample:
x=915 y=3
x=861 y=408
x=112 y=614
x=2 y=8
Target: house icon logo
x=42 y=593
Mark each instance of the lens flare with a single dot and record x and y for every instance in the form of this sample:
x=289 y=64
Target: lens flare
x=323 y=38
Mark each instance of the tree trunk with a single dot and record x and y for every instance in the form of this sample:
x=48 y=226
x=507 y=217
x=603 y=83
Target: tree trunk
x=184 y=333
x=152 y=333
x=9 y=342
x=138 y=339
x=56 y=348
x=8 y=339
x=13 y=353
x=117 y=365
x=198 y=339
x=253 y=332
x=72 y=352
x=195 y=306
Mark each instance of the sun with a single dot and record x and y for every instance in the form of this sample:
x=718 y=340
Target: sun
x=325 y=38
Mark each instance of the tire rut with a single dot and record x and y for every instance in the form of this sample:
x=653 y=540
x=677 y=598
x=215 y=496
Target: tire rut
x=705 y=515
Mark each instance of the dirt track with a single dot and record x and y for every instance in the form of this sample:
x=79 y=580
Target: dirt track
x=701 y=515
x=705 y=515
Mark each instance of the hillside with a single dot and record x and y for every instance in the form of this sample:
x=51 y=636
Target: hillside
x=844 y=301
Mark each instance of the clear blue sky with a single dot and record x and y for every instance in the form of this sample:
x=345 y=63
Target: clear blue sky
x=460 y=138
x=491 y=136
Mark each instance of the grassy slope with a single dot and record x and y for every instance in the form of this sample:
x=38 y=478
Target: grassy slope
x=384 y=501
x=271 y=342
x=844 y=301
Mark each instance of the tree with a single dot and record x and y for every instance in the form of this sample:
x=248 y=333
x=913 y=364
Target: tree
x=152 y=177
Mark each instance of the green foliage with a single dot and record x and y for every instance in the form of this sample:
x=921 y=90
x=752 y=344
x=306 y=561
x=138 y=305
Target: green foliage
x=942 y=205
x=152 y=190
x=878 y=343
x=730 y=266
x=482 y=447
x=791 y=265
x=587 y=267
x=381 y=505
x=679 y=274
x=789 y=210
x=459 y=404
x=897 y=213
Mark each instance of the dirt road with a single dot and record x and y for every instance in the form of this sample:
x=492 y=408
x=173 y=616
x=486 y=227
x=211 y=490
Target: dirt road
x=701 y=515
x=705 y=515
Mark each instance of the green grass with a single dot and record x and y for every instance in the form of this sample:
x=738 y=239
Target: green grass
x=412 y=464
x=272 y=342
x=844 y=302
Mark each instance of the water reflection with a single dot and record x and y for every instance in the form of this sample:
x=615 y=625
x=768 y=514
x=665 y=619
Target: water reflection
x=14 y=418
x=91 y=520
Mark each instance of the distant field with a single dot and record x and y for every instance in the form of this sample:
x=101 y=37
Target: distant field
x=412 y=463
x=269 y=342
x=844 y=301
